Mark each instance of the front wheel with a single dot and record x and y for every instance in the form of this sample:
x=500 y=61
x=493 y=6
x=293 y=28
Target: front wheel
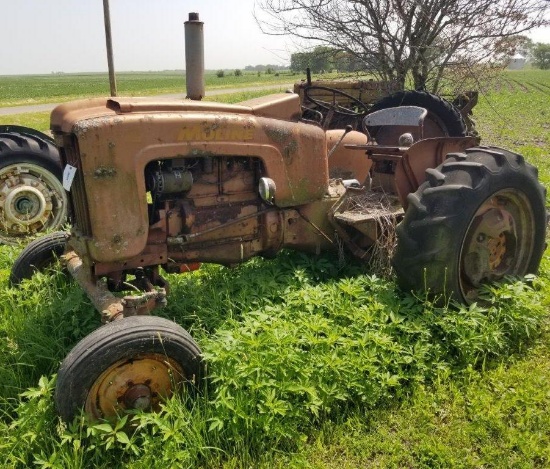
x=38 y=255
x=132 y=363
x=480 y=216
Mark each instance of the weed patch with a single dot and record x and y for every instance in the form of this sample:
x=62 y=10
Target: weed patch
x=292 y=344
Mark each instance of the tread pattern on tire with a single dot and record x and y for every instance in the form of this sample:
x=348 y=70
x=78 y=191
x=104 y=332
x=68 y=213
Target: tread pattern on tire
x=118 y=340
x=438 y=216
x=19 y=147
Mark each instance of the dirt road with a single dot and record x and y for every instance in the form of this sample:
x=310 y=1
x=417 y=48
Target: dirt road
x=5 y=111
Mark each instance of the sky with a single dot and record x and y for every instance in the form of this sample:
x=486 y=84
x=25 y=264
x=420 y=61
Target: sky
x=45 y=36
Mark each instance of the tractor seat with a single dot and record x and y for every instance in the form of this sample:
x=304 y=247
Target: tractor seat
x=396 y=121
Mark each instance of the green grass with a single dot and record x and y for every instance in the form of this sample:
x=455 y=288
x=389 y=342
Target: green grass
x=34 y=120
x=41 y=120
x=36 y=89
x=311 y=365
x=516 y=114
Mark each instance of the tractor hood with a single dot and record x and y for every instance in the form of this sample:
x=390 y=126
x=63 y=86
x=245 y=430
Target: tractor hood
x=285 y=106
x=109 y=143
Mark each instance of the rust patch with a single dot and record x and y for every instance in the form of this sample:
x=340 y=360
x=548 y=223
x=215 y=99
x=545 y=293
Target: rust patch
x=104 y=172
x=82 y=127
x=117 y=239
x=221 y=214
x=216 y=131
x=279 y=135
x=284 y=138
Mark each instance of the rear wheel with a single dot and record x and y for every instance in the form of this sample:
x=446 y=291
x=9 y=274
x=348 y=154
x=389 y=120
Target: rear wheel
x=132 y=363
x=39 y=254
x=479 y=216
x=442 y=120
x=32 y=198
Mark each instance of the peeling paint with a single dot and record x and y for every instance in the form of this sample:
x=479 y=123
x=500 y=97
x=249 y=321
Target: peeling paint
x=214 y=132
x=82 y=127
x=279 y=135
x=202 y=153
x=283 y=137
x=104 y=172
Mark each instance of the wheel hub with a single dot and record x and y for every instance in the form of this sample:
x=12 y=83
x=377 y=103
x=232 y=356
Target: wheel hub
x=138 y=397
x=31 y=200
x=497 y=251
x=487 y=252
x=139 y=383
x=499 y=241
x=27 y=205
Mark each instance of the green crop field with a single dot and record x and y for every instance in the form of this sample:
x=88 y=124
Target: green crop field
x=35 y=89
x=312 y=362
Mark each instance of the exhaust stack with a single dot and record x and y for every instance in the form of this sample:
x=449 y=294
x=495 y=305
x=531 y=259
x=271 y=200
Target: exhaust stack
x=194 y=57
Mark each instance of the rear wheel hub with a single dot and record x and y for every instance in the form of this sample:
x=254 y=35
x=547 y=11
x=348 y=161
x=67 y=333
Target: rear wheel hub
x=499 y=241
x=31 y=200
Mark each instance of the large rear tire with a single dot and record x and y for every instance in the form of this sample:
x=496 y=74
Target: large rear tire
x=132 y=363
x=442 y=120
x=480 y=216
x=32 y=198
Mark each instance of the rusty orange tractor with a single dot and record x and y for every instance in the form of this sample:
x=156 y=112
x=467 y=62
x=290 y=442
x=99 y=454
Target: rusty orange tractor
x=156 y=185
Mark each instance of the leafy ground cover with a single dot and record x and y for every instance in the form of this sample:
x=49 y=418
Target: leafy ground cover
x=312 y=362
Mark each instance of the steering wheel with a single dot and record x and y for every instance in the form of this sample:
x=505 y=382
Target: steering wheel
x=358 y=108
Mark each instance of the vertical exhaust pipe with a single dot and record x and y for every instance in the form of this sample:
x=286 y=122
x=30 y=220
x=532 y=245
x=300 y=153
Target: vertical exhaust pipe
x=194 y=57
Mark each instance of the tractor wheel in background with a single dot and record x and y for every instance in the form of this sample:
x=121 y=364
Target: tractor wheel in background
x=32 y=198
x=443 y=119
x=38 y=255
x=479 y=216
x=132 y=363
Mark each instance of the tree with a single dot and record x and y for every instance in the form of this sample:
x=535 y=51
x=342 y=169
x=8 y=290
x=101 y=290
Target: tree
x=524 y=46
x=319 y=60
x=399 y=38
x=541 y=55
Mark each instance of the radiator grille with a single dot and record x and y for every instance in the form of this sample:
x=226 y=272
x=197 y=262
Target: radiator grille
x=80 y=215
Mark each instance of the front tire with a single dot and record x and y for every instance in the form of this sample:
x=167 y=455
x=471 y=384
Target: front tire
x=38 y=255
x=132 y=363
x=479 y=216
